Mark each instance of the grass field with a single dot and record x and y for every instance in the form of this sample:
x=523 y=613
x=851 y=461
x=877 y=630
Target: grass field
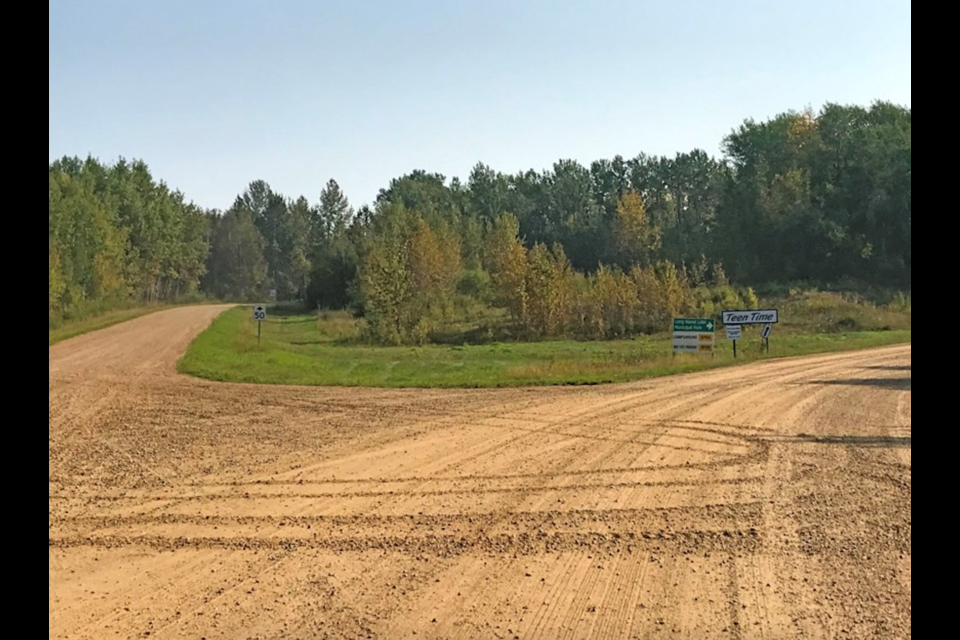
x=306 y=349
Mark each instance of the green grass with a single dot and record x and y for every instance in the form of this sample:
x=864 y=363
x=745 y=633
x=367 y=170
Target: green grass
x=307 y=350
x=818 y=311
x=73 y=328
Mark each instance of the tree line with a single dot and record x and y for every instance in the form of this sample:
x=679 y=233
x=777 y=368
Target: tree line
x=116 y=234
x=600 y=250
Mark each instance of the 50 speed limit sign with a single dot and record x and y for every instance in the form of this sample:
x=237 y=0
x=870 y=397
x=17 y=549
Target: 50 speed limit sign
x=259 y=312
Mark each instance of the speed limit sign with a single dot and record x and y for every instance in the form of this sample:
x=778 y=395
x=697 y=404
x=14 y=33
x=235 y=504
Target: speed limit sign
x=259 y=312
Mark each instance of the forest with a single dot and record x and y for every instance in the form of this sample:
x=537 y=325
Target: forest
x=607 y=250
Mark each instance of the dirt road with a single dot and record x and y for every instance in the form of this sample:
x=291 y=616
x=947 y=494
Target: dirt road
x=766 y=501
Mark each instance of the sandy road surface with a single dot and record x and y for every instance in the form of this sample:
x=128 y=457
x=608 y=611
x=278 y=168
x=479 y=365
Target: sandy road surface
x=766 y=501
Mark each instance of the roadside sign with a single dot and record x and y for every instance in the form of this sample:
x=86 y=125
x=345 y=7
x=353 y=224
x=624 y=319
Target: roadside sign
x=766 y=331
x=751 y=316
x=259 y=314
x=734 y=331
x=693 y=335
x=701 y=325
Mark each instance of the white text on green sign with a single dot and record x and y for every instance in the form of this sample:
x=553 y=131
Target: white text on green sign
x=693 y=324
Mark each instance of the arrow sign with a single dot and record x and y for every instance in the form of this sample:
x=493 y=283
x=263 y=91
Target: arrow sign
x=766 y=331
x=700 y=325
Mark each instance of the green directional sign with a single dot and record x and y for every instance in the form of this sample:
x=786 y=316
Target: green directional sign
x=694 y=324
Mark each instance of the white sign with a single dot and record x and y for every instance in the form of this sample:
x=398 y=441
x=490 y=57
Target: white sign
x=692 y=342
x=766 y=331
x=693 y=335
x=751 y=316
x=733 y=331
x=259 y=312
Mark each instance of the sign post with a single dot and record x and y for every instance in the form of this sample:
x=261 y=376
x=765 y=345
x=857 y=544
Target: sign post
x=733 y=333
x=693 y=335
x=765 y=334
x=259 y=314
x=732 y=319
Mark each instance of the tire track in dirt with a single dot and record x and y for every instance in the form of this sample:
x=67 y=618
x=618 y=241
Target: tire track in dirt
x=764 y=501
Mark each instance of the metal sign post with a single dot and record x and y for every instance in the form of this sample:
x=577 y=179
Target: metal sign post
x=733 y=333
x=732 y=319
x=259 y=314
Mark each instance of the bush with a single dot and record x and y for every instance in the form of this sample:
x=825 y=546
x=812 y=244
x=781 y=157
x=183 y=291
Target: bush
x=709 y=302
x=407 y=278
x=822 y=311
x=475 y=283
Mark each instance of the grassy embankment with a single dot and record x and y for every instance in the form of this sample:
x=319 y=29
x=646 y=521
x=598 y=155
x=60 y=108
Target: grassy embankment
x=324 y=349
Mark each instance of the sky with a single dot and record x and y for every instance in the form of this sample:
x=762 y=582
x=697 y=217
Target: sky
x=215 y=94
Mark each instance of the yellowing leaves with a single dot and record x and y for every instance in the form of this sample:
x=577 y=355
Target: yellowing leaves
x=637 y=237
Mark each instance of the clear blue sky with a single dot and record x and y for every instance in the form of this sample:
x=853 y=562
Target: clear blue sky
x=215 y=94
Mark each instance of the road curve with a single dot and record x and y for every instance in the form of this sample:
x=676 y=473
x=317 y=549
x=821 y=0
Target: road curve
x=769 y=500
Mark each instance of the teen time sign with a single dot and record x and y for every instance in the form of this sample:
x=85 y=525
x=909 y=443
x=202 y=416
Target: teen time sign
x=751 y=316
